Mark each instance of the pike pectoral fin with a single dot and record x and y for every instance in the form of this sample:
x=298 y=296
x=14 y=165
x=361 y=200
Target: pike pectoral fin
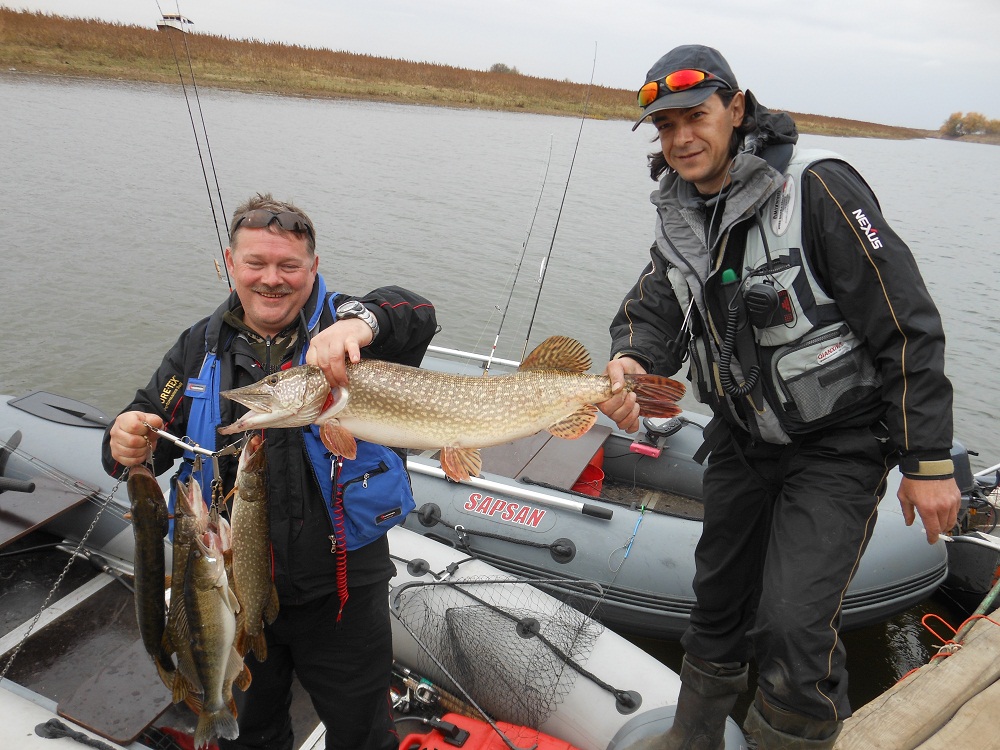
x=338 y=440
x=576 y=424
x=461 y=463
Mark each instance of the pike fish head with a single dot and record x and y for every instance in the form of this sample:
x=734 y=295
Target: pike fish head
x=290 y=398
x=148 y=505
x=207 y=568
x=191 y=503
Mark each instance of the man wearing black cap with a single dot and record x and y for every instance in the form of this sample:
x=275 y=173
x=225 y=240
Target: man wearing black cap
x=814 y=341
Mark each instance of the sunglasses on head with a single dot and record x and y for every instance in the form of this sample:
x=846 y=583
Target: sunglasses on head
x=679 y=80
x=259 y=218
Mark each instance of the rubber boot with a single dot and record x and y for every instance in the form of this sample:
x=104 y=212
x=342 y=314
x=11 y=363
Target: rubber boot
x=768 y=727
x=708 y=694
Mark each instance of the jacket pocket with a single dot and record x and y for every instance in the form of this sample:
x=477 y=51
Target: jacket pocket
x=826 y=374
x=376 y=496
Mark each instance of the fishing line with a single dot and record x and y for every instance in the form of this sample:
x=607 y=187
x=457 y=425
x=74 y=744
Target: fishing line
x=520 y=260
x=204 y=128
x=555 y=229
x=197 y=141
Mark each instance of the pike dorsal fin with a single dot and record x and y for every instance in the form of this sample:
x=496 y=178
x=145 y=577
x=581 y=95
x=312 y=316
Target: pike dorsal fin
x=558 y=353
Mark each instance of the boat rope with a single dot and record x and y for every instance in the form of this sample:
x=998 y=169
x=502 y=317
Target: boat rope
x=555 y=229
x=627 y=546
x=83 y=540
x=55 y=729
x=428 y=513
x=197 y=141
x=420 y=567
x=520 y=261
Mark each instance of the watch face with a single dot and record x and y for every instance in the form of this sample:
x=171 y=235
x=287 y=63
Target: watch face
x=351 y=309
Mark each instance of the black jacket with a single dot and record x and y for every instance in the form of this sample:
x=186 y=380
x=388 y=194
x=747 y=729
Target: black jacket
x=304 y=569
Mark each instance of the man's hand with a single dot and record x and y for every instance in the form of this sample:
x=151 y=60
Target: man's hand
x=332 y=347
x=131 y=441
x=936 y=500
x=622 y=406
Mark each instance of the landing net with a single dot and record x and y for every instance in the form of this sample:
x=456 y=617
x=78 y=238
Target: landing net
x=515 y=650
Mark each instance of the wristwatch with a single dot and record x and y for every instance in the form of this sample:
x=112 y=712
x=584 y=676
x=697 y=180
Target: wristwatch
x=355 y=309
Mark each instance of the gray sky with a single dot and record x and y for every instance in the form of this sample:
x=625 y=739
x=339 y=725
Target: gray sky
x=898 y=62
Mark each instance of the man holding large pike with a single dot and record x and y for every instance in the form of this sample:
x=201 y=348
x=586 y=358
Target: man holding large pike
x=327 y=527
x=813 y=339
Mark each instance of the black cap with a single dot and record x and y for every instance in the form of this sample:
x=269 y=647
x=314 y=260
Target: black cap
x=694 y=57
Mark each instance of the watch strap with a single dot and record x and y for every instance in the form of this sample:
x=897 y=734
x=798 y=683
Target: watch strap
x=355 y=309
x=914 y=468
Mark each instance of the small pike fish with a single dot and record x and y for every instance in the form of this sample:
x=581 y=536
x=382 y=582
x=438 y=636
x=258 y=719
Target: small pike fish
x=251 y=523
x=190 y=521
x=211 y=610
x=150 y=522
x=409 y=407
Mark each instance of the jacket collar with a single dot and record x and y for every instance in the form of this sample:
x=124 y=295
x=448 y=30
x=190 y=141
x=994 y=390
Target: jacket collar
x=218 y=328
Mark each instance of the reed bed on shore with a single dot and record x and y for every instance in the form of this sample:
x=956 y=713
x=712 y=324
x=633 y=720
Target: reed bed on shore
x=45 y=43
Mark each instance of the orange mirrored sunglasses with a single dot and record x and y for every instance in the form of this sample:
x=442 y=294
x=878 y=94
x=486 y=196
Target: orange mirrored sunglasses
x=679 y=80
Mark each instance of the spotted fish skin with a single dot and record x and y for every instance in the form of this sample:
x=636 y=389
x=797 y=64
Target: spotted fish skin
x=409 y=407
x=251 y=524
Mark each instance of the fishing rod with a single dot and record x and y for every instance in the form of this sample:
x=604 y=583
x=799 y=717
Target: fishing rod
x=555 y=229
x=520 y=260
x=197 y=141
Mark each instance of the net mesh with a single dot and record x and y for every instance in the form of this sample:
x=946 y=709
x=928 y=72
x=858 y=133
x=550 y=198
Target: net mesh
x=504 y=642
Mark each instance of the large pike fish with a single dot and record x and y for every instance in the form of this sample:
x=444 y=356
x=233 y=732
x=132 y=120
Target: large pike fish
x=409 y=407
x=251 y=526
x=150 y=523
x=211 y=611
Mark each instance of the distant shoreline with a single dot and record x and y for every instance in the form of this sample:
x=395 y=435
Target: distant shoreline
x=40 y=43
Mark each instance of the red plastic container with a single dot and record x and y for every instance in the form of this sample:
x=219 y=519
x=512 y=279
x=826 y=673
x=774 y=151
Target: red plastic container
x=482 y=737
x=591 y=480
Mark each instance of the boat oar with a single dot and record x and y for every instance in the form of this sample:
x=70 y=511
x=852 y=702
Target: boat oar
x=587 y=509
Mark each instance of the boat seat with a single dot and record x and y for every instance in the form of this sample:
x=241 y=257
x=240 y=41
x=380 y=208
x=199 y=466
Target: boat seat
x=143 y=698
x=23 y=512
x=544 y=458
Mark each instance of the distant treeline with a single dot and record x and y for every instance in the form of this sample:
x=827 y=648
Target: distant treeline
x=971 y=124
x=45 y=43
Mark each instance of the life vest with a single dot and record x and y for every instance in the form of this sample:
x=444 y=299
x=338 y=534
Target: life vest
x=814 y=369
x=373 y=491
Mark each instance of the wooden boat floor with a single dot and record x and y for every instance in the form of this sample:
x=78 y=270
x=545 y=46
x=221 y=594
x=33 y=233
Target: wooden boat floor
x=658 y=501
x=23 y=512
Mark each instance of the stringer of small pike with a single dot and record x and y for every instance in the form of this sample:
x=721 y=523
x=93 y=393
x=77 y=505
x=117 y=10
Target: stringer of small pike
x=409 y=407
